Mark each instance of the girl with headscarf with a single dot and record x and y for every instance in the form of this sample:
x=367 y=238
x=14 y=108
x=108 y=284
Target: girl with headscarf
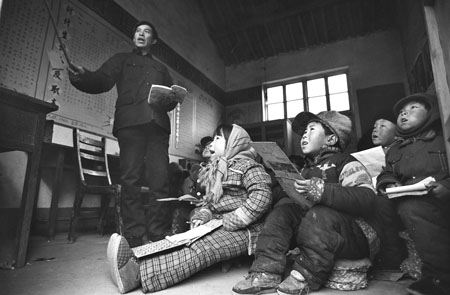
x=237 y=191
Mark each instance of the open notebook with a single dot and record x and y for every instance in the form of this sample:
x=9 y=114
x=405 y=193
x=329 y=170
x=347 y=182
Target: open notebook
x=183 y=239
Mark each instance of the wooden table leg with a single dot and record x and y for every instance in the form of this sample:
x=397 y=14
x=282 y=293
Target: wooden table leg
x=28 y=197
x=55 y=193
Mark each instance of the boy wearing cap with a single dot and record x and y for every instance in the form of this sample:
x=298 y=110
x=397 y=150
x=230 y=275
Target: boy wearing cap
x=419 y=153
x=342 y=224
x=142 y=130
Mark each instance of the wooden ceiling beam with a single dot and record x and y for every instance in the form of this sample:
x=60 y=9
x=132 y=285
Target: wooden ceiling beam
x=302 y=29
x=338 y=22
x=269 y=36
x=324 y=22
x=314 y=27
x=291 y=33
x=350 y=19
x=258 y=21
x=250 y=45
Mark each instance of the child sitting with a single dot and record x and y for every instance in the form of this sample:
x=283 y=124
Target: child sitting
x=420 y=153
x=343 y=223
x=237 y=191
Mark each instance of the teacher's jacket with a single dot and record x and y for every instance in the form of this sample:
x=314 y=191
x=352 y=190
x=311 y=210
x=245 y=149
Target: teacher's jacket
x=133 y=74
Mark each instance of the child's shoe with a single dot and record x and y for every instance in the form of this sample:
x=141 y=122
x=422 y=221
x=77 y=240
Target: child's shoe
x=123 y=265
x=257 y=283
x=294 y=284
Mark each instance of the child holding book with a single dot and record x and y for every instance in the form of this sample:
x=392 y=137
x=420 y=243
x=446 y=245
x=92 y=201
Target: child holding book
x=344 y=223
x=420 y=153
x=237 y=191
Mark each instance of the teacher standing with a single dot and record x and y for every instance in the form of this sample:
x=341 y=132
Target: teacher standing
x=142 y=130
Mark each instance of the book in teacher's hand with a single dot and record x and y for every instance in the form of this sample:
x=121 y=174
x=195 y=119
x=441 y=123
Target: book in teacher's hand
x=159 y=93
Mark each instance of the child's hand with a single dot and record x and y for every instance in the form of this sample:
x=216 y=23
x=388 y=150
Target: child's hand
x=312 y=188
x=196 y=222
x=439 y=191
x=302 y=186
x=202 y=216
x=383 y=190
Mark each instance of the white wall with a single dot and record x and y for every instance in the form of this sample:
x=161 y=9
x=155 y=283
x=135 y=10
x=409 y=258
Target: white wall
x=372 y=60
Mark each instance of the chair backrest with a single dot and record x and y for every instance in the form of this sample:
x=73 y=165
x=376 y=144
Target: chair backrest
x=92 y=158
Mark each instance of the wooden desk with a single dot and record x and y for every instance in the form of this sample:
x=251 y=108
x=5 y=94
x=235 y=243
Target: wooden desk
x=23 y=127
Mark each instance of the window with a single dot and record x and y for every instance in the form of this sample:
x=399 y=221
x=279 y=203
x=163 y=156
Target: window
x=287 y=99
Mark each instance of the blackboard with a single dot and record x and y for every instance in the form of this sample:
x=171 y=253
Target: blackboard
x=27 y=37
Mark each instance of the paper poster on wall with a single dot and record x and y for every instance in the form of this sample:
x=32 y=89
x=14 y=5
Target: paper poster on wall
x=22 y=37
x=89 y=41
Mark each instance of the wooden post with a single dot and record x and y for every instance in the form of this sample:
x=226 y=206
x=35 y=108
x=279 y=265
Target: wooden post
x=439 y=71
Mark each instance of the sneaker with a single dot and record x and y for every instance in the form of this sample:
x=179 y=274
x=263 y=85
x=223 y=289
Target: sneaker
x=257 y=283
x=428 y=286
x=294 y=284
x=123 y=266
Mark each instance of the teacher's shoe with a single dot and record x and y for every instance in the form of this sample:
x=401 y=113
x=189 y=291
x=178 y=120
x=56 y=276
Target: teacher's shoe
x=123 y=266
x=257 y=283
x=294 y=284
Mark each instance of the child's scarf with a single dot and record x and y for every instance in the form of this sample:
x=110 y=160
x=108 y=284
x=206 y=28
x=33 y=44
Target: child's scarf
x=212 y=176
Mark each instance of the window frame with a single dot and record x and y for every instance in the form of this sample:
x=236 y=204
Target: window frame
x=303 y=80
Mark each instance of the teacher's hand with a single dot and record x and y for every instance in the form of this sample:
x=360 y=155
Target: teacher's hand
x=75 y=72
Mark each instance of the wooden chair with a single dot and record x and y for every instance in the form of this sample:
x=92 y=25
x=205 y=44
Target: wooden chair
x=94 y=178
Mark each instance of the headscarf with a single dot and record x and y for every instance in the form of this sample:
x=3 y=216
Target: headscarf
x=237 y=147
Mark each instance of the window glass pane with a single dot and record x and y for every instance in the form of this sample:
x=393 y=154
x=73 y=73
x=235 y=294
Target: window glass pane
x=339 y=102
x=294 y=107
x=316 y=87
x=275 y=111
x=337 y=83
x=317 y=104
x=275 y=94
x=294 y=91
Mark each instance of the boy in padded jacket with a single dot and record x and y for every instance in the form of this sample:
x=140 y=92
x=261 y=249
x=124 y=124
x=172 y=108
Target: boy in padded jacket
x=343 y=223
x=419 y=153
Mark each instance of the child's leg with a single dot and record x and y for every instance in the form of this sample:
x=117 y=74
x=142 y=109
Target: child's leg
x=324 y=236
x=162 y=271
x=275 y=238
x=428 y=223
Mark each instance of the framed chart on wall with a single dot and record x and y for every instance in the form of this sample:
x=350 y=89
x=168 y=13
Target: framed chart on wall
x=89 y=42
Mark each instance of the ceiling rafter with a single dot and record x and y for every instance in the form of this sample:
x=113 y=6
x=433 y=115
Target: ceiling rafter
x=324 y=22
x=338 y=21
x=350 y=19
x=302 y=29
x=291 y=33
x=254 y=21
x=314 y=26
x=247 y=30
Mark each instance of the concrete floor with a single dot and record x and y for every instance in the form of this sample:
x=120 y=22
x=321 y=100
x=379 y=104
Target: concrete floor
x=57 y=267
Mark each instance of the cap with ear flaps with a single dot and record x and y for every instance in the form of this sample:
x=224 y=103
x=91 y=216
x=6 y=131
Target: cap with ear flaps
x=339 y=124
